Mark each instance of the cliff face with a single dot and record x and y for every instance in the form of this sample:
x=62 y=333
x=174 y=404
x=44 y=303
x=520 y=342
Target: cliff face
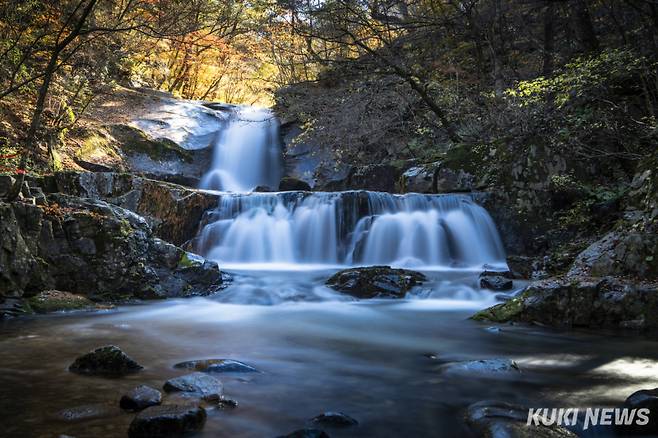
x=85 y=245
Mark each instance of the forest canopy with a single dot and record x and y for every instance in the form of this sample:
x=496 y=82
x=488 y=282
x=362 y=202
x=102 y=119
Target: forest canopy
x=446 y=70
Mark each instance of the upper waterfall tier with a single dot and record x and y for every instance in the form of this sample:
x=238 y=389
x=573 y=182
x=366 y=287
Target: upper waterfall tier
x=351 y=228
x=247 y=153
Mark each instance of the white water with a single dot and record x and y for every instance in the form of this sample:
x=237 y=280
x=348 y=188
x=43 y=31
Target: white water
x=342 y=228
x=346 y=228
x=246 y=153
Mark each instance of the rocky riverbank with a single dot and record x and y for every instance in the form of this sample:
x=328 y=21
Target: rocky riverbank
x=73 y=240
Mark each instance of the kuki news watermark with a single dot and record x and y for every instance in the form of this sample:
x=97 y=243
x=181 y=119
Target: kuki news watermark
x=592 y=417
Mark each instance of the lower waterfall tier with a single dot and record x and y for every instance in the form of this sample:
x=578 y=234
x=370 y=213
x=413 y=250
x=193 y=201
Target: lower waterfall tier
x=355 y=227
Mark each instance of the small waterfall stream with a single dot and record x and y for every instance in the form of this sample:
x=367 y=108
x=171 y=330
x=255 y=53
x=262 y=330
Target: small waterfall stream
x=247 y=152
x=330 y=228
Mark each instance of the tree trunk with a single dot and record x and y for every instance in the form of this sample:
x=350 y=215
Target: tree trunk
x=549 y=39
x=585 y=27
x=30 y=140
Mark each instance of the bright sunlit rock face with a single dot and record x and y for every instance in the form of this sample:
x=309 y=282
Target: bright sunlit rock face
x=247 y=153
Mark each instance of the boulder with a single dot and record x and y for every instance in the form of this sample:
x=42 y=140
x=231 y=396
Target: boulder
x=290 y=184
x=585 y=302
x=375 y=282
x=140 y=398
x=335 y=419
x=107 y=361
x=217 y=366
x=196 y=384
x=167 y=421
x=499 y=419
x=495 y=282
x=481 y=368
x=620 y=252
x=643 y=399
x=55 y=301
x=306 y=433
x=417 y=179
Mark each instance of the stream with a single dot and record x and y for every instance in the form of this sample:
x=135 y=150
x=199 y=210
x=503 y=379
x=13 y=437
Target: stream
x=380 y=361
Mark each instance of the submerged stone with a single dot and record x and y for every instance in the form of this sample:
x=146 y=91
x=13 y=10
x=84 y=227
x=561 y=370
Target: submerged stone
x=140 y=398
x=105 y=361
x=336 y=419
x=197 y=384
x=167 y=421
x=306 y=433
x=56 y=301
x=86 y=412
x=482 y=368
x=217 y=366
x=375 y=282
x=499 y=419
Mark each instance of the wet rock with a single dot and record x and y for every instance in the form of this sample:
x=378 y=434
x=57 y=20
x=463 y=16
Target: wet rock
x=496 y=283
x=217 y=366
x=494 y=419
x=585 y=302
x=647 y=399
x=263 y=189
x=375 y=282
x=140 y=398
x=12 y=307
x=417 y=179
x=196 y=384
x=167 y=421
x=335 y=419
x=289 y=184
x=306 y=433
x=484 y=367
x=55 y=301
x=105 y=361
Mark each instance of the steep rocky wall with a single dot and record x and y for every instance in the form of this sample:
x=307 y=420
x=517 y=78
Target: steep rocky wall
x=95 y=249
x=172 y=211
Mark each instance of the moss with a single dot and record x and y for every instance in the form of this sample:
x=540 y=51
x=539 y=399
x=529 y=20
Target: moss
x=186 y=262
x=134 y=140
x=55 y=301
x=501 y=312
x=95 y=144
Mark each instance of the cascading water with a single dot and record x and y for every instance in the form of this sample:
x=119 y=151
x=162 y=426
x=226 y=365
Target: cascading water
x=247 y=152
x=351 y=228
x=341 y=228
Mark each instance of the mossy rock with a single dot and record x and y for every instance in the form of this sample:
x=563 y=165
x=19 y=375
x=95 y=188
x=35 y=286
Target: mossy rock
x=134 y=140
x=57 y=301
x=503 y=312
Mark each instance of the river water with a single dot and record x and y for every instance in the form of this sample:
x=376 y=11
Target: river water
x=378 y=361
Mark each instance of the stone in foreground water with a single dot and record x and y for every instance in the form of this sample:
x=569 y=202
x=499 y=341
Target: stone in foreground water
x=336 y=419
x=198 y=384
x=167 y=421
x=140 y=398
x=217 y=366
x=105 y=361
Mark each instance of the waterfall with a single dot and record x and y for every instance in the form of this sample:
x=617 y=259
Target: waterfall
x=246 y=153
x=348 y=228
x=337 y=228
